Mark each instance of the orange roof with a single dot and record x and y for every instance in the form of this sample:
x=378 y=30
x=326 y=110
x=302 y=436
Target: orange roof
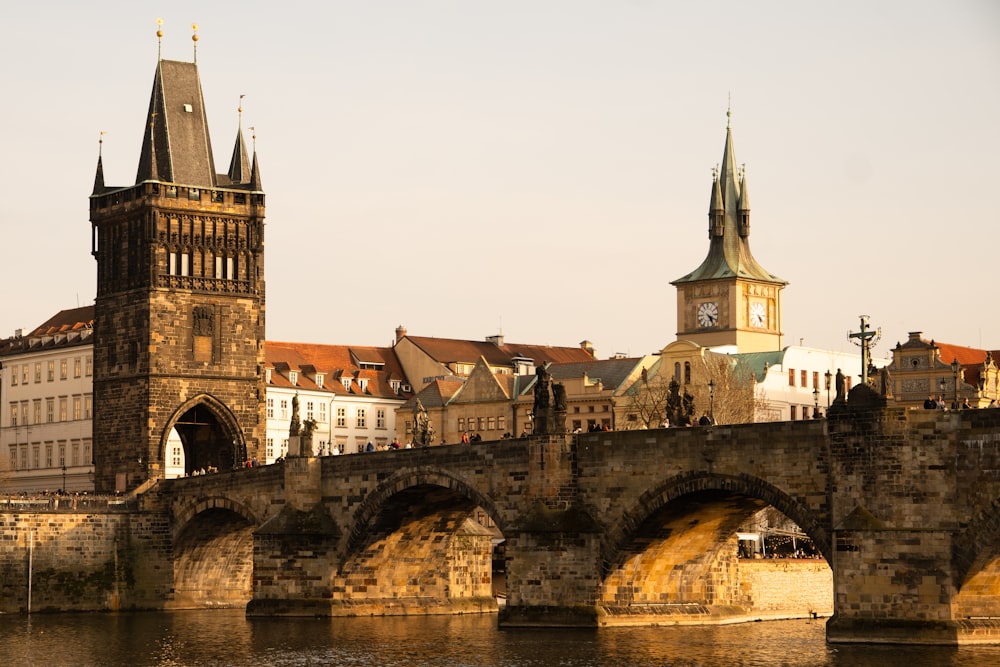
x=336 y=362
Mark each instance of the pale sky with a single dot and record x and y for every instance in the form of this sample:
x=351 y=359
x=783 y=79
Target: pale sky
x=537 y=167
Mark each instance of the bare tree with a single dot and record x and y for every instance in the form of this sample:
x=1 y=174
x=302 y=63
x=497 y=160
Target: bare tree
x=735 y=396
x=644 y=404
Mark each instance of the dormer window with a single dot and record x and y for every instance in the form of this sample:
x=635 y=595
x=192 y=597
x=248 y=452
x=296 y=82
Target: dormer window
x=346 y=381
x=267 y=375
x=293 y=377
x=319 y=380
x=363 y=382
x=394 y=385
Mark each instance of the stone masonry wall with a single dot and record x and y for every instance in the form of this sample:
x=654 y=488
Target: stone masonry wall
x=786 y=586
x=84 y=561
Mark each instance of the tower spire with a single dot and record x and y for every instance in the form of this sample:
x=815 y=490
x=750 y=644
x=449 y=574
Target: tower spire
x=194 y=38
x=729 y=253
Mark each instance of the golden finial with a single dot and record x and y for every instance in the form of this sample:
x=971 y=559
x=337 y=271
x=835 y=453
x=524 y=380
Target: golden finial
x=194 y=38
x=159 y=39
x=253 y=135
x=100 y=143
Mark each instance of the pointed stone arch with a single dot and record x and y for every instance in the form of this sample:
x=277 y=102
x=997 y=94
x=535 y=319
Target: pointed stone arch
x=209 y=432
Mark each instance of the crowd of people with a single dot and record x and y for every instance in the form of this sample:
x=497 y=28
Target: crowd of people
x=939 y=404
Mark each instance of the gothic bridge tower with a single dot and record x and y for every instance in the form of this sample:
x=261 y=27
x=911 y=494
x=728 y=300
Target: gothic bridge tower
x=730 y=299
x=179 y=313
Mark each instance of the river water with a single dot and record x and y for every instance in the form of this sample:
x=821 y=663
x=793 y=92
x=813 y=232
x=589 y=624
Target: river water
x=227 y=637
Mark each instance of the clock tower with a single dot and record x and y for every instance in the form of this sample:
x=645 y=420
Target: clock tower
x=730 y=300
x=179 y=312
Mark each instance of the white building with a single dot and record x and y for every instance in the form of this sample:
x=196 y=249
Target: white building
x=799 y=382
x=46 y=380
x=350 y=393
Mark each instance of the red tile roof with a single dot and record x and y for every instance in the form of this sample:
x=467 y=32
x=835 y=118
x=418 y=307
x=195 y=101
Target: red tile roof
x=336 y=362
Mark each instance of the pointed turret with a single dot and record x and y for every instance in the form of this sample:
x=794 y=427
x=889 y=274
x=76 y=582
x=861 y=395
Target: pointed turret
x=99 y=176
x=239 y=165
x=716 y=212
x=255 y=175
x=744 y=206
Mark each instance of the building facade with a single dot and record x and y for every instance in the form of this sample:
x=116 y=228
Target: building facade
x=350 y=395
x=47 y=398
x=179 y=312
x=923 y=369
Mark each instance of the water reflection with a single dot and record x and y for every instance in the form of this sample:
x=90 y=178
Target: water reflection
x=228 y=638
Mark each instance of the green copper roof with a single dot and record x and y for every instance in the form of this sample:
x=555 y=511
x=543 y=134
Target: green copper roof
x=729 y=253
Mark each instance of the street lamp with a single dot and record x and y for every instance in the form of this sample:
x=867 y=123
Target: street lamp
x=711 y=400
x=816 y=402
x=955 y=368
x=828 y=375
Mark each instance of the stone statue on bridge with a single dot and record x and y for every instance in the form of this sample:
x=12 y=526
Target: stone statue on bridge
x=422 y=429
x=541 y=407
x=558 y=424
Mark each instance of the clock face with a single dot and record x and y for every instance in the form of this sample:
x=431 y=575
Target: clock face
x=758 y=314
x=708 y=314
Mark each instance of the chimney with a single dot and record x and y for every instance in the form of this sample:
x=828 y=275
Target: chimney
x=496 y=340
x=588 y=347
x=400 y=333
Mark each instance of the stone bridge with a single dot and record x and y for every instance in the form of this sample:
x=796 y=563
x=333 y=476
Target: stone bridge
x=601 y=529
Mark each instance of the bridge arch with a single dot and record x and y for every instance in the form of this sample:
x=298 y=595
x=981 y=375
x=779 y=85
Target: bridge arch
x=209 y=432
x=399 y=482
x=676 y=545
x=976 y=566
x=213 y=554
x=416 y=544
x=685 y=484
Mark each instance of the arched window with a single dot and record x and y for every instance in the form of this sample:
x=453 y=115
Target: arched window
x=687 y=372
x=677 y=371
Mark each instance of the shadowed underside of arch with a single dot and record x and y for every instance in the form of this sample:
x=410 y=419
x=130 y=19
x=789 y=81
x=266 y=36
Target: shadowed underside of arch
x=419 y=546
x=751 y=488
x=976 y=562
x=213 y=559
x=676 y=553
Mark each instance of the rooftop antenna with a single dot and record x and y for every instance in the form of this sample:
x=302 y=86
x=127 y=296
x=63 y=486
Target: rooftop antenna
x=194 y=38
x=159 y=39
